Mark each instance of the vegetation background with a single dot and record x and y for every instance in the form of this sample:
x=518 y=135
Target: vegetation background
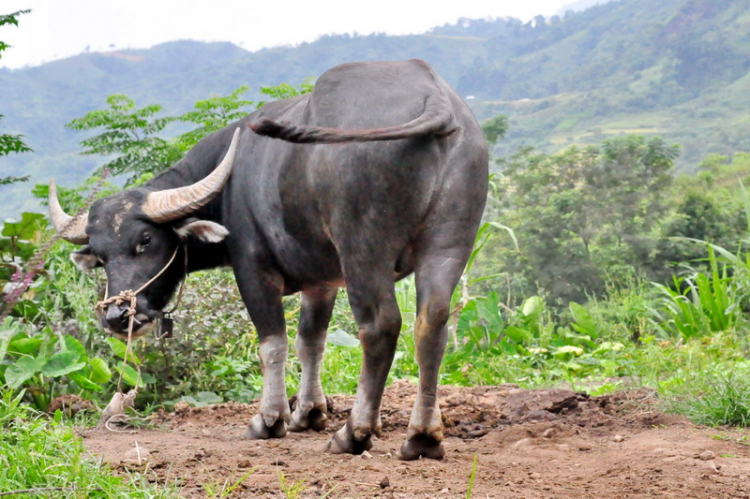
x=612 y=252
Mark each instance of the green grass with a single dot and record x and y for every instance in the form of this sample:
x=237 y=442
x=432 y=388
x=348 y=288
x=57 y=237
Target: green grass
x=719 y=397
x=48 y=458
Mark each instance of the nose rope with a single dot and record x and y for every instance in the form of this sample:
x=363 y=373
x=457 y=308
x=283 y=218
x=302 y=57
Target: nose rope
x=131 y=296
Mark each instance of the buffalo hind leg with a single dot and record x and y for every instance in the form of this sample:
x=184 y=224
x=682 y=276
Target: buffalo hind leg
x=310 y=409
x=436 y=279
x=375 y=308
x=262 y=298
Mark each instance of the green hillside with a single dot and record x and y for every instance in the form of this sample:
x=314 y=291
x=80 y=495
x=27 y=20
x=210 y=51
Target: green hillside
x=676 y=68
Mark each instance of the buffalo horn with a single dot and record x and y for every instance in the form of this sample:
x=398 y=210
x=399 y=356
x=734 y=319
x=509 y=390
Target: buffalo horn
x=72 y=229
x=171 y=204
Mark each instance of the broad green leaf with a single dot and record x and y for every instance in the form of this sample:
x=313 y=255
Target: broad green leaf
x=27 y=228
x=61 y=364
x=23 y=370
x=569 y=349
x=584 y=324
x=202 y=399
x=75 y=346
x=25 y=346
x=5 y=336
x=532 y=306
x=208 y=398
x=339 y=338
x=190 y=400
x=130 y=376
x=517 y=334
x=119 y=349
x=100 y=372
x=84 y=382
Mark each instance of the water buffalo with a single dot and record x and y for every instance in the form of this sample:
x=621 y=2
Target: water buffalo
x=381 y=171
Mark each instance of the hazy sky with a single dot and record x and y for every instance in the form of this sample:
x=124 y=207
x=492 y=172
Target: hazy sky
x=60 y=28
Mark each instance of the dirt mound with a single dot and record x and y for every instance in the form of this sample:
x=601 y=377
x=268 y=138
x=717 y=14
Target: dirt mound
x=528 y=444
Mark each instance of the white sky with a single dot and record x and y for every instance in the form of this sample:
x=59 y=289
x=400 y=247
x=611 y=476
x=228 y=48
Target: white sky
x=60 y=28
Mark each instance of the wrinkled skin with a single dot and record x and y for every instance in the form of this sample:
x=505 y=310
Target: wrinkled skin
x=313 y=217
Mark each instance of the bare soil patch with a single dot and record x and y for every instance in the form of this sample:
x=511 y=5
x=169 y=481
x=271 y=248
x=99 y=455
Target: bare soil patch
x=529 y=444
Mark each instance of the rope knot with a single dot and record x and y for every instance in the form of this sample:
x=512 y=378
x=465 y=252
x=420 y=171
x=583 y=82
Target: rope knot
x=125 y=296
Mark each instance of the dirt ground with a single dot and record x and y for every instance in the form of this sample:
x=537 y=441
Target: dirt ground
x=528 y=444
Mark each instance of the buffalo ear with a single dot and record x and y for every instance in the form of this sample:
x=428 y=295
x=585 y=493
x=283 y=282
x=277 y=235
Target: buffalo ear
x=85 y=259
x=203 y=230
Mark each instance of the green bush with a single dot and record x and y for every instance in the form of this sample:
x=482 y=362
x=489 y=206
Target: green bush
x=36 y=453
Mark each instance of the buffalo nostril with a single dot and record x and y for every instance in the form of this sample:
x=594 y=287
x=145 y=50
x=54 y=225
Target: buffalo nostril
x=117 y=317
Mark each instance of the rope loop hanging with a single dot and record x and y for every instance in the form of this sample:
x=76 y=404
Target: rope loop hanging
x=131 y=297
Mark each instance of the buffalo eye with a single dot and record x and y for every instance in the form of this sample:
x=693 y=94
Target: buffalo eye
x=145 y=241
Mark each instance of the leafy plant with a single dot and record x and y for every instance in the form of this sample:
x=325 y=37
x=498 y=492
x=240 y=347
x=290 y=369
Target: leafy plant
x=131 y=134
x=48 y=457
x=700 y=304
x=20 y=240
x=42 y=361
x=11 y=143
x=134 y=135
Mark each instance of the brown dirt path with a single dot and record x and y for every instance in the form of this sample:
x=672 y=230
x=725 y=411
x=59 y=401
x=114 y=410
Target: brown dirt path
x=529 y=444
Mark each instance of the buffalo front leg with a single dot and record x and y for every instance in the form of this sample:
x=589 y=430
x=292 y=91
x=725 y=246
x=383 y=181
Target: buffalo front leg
x=262 y=298
x=435 y=283
x=379 y=320
x=310 y=409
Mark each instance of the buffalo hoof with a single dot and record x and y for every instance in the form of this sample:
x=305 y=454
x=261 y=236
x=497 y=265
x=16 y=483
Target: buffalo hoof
x=343 y=442
x=258 y=430
x=313 y=420
x=421 y=446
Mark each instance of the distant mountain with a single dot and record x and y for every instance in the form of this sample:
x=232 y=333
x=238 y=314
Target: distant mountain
x=676 y=68
x=39 y=101
x=579 y=6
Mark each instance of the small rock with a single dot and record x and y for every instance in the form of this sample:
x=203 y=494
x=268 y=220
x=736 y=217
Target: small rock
x=206 y=432
x=521 y=443
x=137 y=456
x=477 y=433
x=181 y=406
x=384 y=483
x=549 y=433
x=244 y=464
x=366 y=455
x=535 y=476
x=445 y=491
x=584 y=447
x=618 y=438
x=706 y=455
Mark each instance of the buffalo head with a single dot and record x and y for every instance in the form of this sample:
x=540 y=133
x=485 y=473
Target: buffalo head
x=133 y=234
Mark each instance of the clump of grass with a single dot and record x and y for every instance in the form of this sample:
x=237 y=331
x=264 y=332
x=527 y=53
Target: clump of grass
x=472 y=477
x=45 y=458
x=217 y=490
x=718 y=399
x=291 y=490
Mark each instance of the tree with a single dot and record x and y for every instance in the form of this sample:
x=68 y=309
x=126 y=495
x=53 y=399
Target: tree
x=582 y=217
x=131 y=134
x=495 y=128
x=11 y=143
x=134 y=136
